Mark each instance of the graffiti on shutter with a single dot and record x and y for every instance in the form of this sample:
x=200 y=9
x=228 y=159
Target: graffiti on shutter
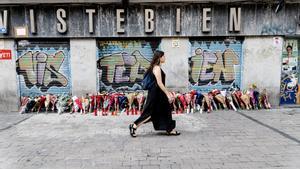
x=43 y=68
x=215 y=64
x=121 y=64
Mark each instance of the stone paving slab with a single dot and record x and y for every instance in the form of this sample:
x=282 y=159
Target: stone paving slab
x=223 y=139
x=9 y=119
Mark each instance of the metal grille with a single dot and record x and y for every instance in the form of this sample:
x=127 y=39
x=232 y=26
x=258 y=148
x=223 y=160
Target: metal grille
x=122 y=63
x=215 y=64
x=43 y=67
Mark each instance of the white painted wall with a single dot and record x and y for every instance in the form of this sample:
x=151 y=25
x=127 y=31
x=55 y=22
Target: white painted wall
x=176 y=66
x=83 y=66
x=9 y=99
x=262 y=65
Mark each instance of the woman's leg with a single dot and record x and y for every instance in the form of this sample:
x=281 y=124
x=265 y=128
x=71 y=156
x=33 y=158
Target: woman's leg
x=144 y=118
x=171 y=126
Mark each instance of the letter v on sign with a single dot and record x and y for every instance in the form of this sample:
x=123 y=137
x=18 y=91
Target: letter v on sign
x=3 y=21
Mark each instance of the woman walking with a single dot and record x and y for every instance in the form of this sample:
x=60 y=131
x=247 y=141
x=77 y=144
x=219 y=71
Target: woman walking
x=157 y=107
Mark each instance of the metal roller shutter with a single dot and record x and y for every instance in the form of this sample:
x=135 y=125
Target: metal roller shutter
x=43 y=67
x=122 y=63
x=215 y=64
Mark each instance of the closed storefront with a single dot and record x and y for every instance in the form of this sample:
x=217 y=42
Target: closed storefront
x=43 y=67
x=122 y=63
x=215 y=64
x=81 y=47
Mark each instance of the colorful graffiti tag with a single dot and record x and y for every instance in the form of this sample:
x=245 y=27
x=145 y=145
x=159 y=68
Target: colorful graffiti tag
x=289 y=73
x=122 y=64
x=42 y=71
x=215 y=64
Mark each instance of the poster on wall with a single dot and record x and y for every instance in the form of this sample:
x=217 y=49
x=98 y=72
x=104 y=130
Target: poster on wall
x=289 y=73
x=121 y=64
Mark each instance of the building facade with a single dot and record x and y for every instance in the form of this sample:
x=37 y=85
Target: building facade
x=79 y=47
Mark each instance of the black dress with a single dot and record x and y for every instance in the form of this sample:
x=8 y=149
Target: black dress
x=157 y=108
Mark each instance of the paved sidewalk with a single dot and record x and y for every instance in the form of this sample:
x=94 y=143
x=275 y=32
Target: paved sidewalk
x=267 y=139
x=7 y=120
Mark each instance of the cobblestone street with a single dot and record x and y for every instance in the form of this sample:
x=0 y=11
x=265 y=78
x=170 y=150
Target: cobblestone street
x=268 y=139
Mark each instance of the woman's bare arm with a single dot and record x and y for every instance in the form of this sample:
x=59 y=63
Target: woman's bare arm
x=157 y=73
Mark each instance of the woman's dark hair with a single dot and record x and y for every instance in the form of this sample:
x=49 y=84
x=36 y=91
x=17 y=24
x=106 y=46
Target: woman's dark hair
x=156 y=59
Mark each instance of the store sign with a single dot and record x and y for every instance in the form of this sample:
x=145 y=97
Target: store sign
x=3 y=21
x=5 y=54
x=62 y=16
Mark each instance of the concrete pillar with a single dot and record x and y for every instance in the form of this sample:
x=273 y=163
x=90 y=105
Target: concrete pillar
x=262 y=65
x=176 y=66
x=83 y=66
x=9 y=99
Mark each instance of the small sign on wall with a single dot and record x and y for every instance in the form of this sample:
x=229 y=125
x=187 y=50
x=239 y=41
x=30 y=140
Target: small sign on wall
x=277 y=42
x=5 y=54
x=175 y=43
x=21 y=31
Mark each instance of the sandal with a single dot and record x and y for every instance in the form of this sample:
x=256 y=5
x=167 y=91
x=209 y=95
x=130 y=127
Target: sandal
x=173 y=133
x=132 y=130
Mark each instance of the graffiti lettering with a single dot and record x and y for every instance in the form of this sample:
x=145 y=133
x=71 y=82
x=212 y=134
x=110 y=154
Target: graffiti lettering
x=196 y=60
x=116 y=65
x=225 y=65
x=122 y=64
x=208 y=60
x=109 y=65
x=213 y=67
x=41 y=69
x=141 y=64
